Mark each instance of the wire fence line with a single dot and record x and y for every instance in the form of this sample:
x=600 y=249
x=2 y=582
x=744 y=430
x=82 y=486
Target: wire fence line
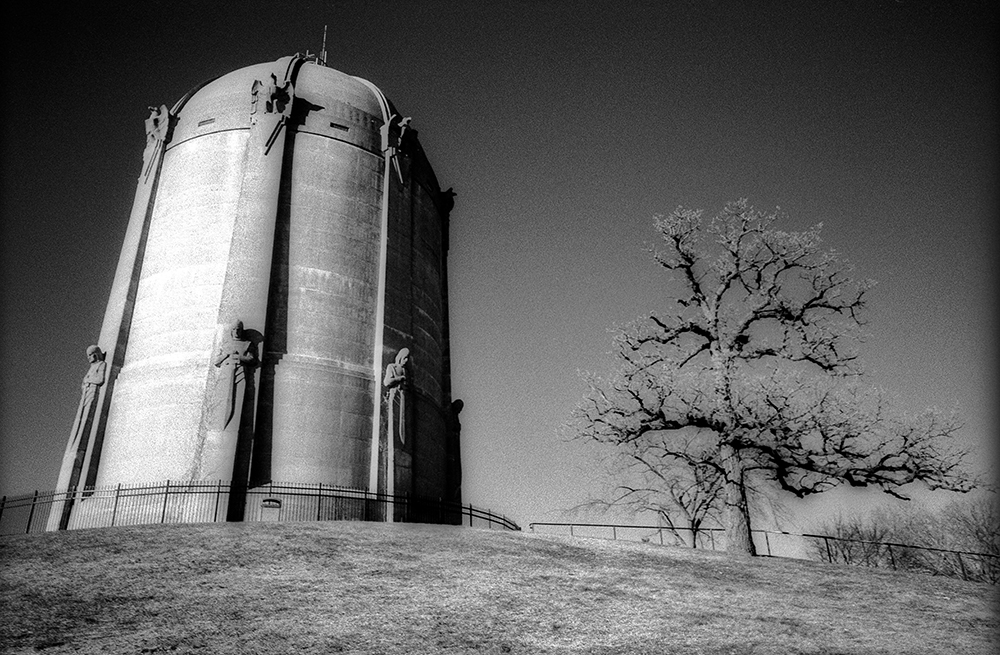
x=964 y=564
x=967 y=565
x=208 y=502
x=706 y=538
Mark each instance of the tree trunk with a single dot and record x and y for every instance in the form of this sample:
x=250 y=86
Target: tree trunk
x=739 y=540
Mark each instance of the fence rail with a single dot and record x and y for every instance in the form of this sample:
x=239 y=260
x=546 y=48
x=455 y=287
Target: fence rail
x=200 y=501
x=964 y=564
x=967 y=565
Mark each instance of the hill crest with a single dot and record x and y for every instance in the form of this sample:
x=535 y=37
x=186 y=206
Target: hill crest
x=405 y=588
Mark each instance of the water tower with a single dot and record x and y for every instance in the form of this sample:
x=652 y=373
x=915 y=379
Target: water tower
x=280 y=307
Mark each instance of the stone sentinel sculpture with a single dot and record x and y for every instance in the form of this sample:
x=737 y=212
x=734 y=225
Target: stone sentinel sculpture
x=79 y=437
x=395 y=385
x=235 y=355
x=230 y=403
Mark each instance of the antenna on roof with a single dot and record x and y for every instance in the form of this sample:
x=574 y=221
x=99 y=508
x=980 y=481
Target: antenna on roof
x=322 y=52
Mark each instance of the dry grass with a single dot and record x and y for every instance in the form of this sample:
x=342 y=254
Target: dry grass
x=376 y=588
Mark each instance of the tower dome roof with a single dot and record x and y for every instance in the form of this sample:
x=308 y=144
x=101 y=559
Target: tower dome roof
x=223 y=103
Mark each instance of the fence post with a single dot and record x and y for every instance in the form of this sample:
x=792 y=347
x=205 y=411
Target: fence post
x=166 y=495
x=114 y=510
x=711 y=537
x=965 y=576
x=319 y=503
x=614 y=533
x=829 y=553
x=767 y=542
x=661 y=535
x=470 y=515
x=218 y=498
x=3 y=501
x=31 y=512
x=892 y=558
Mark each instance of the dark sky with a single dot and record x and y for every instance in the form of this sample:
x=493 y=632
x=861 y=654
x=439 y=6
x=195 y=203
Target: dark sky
x=564 y=127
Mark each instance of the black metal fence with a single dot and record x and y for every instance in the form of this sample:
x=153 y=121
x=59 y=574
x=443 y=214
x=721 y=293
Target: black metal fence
x=197 y=502
x=967 y=565
x=972 y=566
x=773 y=544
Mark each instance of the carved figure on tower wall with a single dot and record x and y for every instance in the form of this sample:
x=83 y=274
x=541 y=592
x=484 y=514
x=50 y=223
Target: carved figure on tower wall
x=237 y=357
x=157 y=125
x=446 y=201
x=270 y=97
x=395 y=382
x=92 y=381
x=407 y=136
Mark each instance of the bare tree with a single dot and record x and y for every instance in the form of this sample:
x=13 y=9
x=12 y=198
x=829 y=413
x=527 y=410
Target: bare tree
x=854 y=540
x=960 y=539
x=974 y=526
x=685 y=499
x=752 y=372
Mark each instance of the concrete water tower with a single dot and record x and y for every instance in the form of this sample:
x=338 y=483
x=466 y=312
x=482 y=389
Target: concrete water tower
x=280 y=308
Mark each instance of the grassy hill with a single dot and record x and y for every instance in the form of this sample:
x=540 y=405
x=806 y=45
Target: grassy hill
x=343 y=587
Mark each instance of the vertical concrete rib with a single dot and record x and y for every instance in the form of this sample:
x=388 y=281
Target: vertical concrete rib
x=246 y=287
x=380 y=306
x=115 y=328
